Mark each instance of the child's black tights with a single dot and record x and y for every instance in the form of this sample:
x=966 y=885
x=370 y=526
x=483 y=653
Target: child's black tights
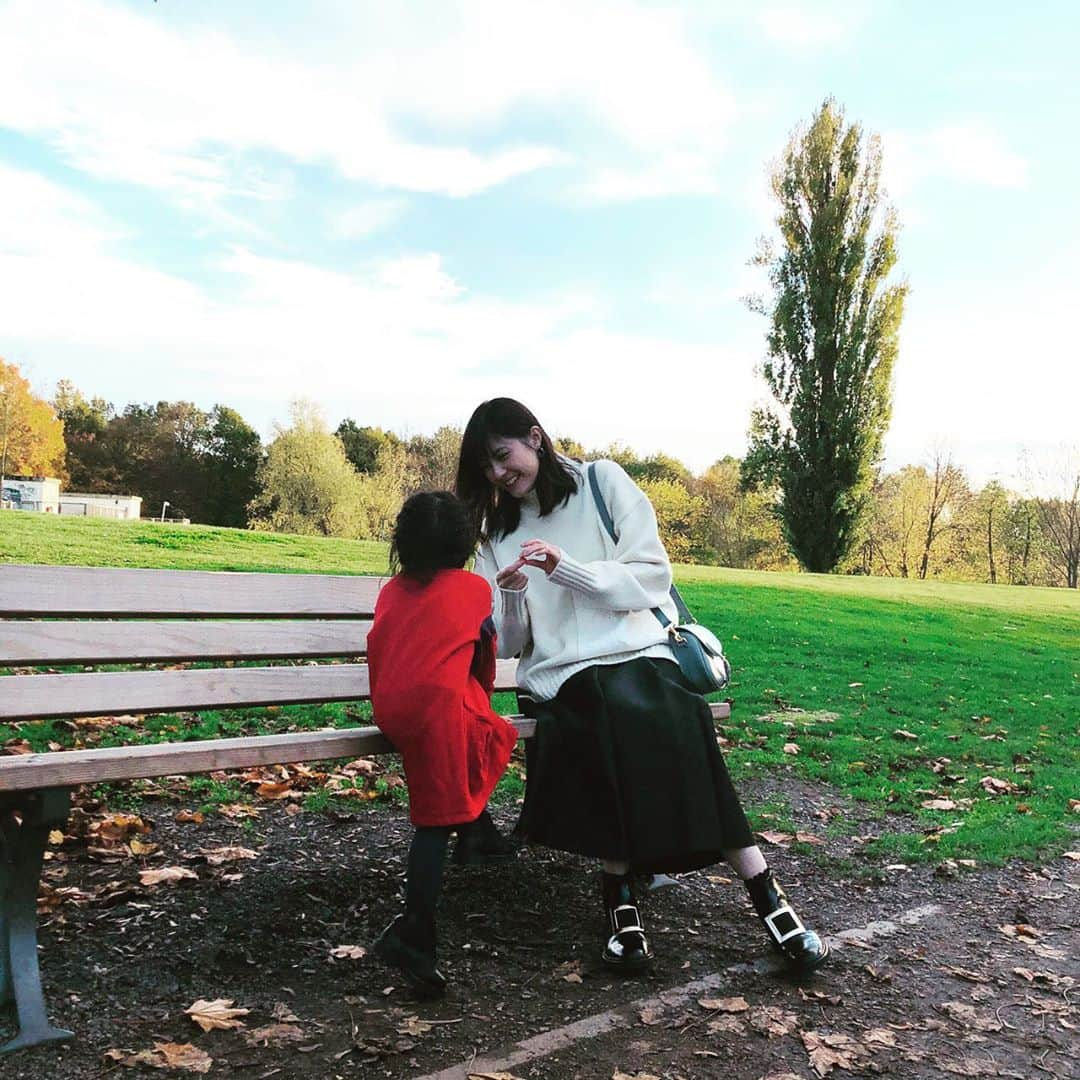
x=423 y=878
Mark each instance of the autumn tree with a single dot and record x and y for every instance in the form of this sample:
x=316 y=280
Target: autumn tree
x=992 y=507
x=363 y=444
x=434 y=458
x=232 y=453
x=1060 y=521
x=308 y=485
x=738 y=527
x=832 y=341
x=31 y=434
x=678 y=517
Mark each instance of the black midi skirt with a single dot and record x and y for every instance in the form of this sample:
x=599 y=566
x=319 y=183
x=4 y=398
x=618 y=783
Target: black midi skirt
x=624 y=765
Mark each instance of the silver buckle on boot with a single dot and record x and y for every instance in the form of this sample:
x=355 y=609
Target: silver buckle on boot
x=636 y=917
x=777 y=935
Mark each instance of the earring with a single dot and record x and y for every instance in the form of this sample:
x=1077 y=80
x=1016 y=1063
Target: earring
x=540 y=450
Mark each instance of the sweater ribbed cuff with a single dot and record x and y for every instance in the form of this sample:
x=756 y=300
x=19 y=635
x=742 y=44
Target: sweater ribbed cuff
x=513 y=602
x=574 y=575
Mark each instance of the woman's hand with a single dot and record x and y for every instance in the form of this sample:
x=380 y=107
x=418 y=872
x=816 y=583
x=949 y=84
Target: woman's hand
x=540 y=553
x=511 y=577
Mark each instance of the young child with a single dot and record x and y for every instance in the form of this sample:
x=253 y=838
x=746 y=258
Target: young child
x=431 y=657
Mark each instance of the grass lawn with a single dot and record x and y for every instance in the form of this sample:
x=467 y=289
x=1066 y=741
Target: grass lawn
x=899 y=693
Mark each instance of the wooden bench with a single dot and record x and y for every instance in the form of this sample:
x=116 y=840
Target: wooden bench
x=75 y=616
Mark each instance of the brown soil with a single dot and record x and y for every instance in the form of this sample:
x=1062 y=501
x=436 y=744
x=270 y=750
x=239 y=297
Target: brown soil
x=949 y=993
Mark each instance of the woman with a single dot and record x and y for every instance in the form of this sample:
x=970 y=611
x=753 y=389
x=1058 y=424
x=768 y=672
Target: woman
x=624 y=763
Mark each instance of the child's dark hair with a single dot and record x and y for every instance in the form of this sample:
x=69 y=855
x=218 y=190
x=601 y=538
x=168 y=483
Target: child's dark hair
x=434 y=531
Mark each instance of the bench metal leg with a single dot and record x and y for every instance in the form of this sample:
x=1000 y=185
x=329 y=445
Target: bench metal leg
x=25 y=822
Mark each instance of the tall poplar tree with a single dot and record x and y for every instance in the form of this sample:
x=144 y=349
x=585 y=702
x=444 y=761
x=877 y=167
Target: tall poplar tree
x=832 y=340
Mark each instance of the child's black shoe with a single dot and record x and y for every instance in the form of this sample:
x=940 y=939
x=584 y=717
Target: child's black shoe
x=480 y=843
x=405 y=946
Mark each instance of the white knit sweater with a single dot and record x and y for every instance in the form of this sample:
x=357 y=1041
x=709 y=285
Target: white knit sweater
x=594 y=608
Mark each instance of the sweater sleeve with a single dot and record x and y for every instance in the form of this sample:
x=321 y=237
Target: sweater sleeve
x=639 y=576
x=510 y=613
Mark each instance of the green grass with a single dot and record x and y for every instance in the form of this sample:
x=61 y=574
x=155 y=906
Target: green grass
x=37 y=538
x=987 y=677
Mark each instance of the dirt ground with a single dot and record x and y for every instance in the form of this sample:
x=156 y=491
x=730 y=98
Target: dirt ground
x=961 y=972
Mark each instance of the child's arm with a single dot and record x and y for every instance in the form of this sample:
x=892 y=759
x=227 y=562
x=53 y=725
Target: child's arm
x=483 y=663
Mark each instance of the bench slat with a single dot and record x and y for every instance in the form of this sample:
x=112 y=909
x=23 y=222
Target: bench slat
x=65 y=769
x=56 y=641
x=36 y=697
x=102 y=592
x=27 y=772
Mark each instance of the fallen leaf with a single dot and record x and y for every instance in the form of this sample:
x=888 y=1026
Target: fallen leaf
x=995 y=786
x=348 y=952
x=218 y=1013
x=283 y=1013
x=140 y=847
x=651 y=1016
x=880 y=1037
x=901 y=733
x=167 y=875
x=189 y=817
x=828 y=1052
x=413 y=1025
x=239 y=810
x=820 y=995
x=776 y=837
x=165 y=1056
x=773 y=1021
x=938 y=804
x=493 y=1076
x=725 y=1004
x=965 y=973
x=220 y=855
x=791 y=748
x=808 y=838
x=725 y=1024
x=272 y=790
x=968 y=1016
x=274 y=1035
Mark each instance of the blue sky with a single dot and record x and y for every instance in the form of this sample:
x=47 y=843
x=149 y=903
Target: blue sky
x=398 y=210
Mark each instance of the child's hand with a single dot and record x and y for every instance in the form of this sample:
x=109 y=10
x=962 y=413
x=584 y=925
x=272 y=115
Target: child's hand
x=541 y=554
x=511 y=577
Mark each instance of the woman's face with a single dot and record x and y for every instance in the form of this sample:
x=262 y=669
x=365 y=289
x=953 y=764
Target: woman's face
x=513 y=463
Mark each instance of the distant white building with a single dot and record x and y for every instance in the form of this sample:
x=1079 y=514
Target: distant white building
x=38 y=493
x=123 y=507
x=43 y=494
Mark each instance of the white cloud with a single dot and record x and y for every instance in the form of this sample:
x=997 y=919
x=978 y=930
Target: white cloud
x=971 y=154
x=369 y=217
x=138 y=96
x=798 y=27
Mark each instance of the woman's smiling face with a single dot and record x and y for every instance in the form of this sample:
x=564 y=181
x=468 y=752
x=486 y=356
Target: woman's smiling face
x=513 y=463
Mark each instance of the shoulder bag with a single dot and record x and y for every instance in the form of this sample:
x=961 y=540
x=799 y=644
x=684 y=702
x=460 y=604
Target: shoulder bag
x=696 y=648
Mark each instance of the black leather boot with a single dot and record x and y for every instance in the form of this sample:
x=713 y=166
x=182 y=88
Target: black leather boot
x=627 y=948
x=408 y=944
x=480 y=843
x=803 y=950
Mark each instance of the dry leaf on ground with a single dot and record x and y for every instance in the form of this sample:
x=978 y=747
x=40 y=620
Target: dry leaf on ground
x=274 y=1035
x=182 y=1056
x=167 y=875
x=348 y=952
x=493 y=1076
x=773 y=1021
x=968 y=1016
x=828 y=1052
x=651 y=1016
x=219 y=855
x=218 y=1013
x=189 y=817
x=725 y=1004
x=725 y=1024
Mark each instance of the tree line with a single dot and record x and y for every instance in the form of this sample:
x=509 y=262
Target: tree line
x=810 y=492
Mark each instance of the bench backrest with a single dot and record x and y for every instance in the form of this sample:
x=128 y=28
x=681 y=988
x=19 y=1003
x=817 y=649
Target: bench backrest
x=65 y=615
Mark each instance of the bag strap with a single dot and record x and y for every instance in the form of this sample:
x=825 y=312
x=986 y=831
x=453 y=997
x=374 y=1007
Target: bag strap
x=609 y=526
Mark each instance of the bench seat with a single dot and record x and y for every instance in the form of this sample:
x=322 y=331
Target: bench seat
x=257 y=639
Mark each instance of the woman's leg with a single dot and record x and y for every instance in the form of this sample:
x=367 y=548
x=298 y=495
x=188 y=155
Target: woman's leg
x=627 y=949
x=802 y=948
x=408 y=943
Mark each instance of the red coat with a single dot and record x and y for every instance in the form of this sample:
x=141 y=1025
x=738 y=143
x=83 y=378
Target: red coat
x=431 y=655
